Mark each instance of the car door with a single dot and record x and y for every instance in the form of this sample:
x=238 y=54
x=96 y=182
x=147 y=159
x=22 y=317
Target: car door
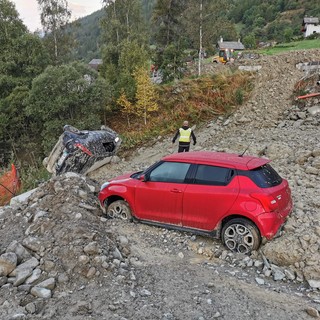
x=159 y=198
x=209 y=197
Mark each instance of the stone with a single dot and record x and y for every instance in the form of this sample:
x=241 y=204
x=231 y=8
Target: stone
x=21 y=252
x=92 y=248
x=30 y=308
x=260 y=281
x=33 y=244
x=21 y=275
x=312 y=312
x=41 y=292
x=47 y=284
x=8 y=262
x=145 y=293
x=36 y=273
x=27 y=265
x=315 y=284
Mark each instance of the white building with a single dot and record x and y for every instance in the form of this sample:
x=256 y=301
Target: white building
x=310 y=25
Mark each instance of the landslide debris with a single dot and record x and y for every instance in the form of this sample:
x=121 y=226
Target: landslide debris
x=61 y=259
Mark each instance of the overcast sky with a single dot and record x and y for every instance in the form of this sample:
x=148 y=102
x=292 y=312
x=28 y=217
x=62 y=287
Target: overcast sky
x=30 y=15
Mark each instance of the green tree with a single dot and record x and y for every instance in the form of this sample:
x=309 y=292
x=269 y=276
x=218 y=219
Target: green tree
x=22 y=57
x=169 y=37
x=125 y=44
x=288 y=34
x=11 y=26
x=55 y=17
x=69 y=94
x=213 y=20
x=132 y=56
x=249 y=41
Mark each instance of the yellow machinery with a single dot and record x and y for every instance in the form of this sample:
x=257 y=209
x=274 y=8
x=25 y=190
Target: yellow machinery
x=225 y=55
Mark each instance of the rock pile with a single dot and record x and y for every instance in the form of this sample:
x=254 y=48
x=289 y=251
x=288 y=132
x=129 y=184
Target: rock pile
x=54 y=240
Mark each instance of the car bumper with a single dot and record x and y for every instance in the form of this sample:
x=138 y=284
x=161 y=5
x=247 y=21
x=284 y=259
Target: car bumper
x=271 y=225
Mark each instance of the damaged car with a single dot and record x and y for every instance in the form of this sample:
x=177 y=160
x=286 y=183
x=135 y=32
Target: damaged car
x=82 y=151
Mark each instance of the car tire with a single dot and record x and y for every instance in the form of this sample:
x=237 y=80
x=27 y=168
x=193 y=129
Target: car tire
x=240 y=235
x=119 y=209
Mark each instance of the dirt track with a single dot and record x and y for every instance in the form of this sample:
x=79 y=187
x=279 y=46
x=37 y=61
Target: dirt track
x=104 y=269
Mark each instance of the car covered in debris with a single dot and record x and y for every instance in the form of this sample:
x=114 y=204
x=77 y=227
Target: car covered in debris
x=240 y=199
x=82 y=151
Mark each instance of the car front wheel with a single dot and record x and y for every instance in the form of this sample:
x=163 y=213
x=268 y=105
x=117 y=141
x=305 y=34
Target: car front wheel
x=240 y=235
x=119 y=209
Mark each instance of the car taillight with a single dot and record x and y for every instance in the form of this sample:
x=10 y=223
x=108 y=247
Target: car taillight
x=268 y=202
x=83 y=149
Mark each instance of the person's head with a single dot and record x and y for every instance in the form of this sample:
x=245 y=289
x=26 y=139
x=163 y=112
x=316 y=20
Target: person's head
x=185 y=123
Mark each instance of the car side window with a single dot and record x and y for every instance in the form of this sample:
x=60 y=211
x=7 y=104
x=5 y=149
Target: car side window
x=170 y=172
x=210 y=175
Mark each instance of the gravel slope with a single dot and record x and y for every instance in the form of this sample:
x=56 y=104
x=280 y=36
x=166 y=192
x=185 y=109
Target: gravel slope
x=60 y=259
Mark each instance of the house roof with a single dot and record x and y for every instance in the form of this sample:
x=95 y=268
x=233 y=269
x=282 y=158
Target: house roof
x=95 y=63
x=311 y=20
x=235 y=45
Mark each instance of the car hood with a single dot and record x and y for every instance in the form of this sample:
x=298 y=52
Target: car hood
x=123 y=177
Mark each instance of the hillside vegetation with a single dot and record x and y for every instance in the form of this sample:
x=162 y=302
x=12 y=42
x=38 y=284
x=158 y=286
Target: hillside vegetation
x=46 y=82
x=275 y=20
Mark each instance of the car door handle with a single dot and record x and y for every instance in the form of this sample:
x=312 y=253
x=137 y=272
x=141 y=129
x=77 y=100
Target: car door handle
x=176 y=190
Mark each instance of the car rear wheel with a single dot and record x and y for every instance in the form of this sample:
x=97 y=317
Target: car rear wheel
x=240 y=235
x=119 y=209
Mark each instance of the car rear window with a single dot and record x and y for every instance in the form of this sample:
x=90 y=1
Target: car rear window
x=264 y=176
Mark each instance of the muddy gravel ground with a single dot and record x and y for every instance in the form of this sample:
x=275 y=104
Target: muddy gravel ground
x=84 y=266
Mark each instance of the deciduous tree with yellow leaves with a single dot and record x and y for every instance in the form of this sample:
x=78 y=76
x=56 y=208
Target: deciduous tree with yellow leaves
x=127 y=106
x=145 y=97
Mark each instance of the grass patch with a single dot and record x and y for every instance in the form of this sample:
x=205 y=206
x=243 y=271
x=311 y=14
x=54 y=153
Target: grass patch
x=296 y=45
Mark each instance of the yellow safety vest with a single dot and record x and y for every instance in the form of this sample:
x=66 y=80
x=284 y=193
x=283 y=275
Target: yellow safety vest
x=185 y=135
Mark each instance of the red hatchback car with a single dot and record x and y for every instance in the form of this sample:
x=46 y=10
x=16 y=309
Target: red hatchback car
x=240 y=199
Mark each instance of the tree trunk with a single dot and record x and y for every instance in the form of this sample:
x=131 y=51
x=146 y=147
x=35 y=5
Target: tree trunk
x=200 y=41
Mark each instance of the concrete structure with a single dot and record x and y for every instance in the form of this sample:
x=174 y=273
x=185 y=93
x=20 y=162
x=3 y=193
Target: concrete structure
x=310 y=25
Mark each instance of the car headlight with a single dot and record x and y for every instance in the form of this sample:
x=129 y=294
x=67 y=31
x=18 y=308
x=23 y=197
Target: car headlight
x=117 y=139
x=104 y=185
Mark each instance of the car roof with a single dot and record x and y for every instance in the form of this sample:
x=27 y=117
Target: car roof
x=221 y=159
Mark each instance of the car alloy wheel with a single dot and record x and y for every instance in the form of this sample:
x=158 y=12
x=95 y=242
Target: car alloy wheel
x=119 y=209
x=241 y=235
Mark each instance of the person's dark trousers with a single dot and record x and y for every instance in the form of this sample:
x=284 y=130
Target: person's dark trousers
x=184 y=148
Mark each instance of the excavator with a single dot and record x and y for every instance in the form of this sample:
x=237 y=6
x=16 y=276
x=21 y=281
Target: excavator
x=225 y=56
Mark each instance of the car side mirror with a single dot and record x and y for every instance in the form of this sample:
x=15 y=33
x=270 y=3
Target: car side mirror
x=143 y=178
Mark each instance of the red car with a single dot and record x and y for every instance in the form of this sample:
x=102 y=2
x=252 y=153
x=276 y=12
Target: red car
x=240 y=199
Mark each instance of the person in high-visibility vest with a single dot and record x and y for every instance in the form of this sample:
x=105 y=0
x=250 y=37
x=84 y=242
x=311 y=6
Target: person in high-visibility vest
x=185 y=134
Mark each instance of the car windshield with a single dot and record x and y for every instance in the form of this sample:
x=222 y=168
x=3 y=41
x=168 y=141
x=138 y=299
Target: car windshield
x=265 y=176
x=138 y=174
